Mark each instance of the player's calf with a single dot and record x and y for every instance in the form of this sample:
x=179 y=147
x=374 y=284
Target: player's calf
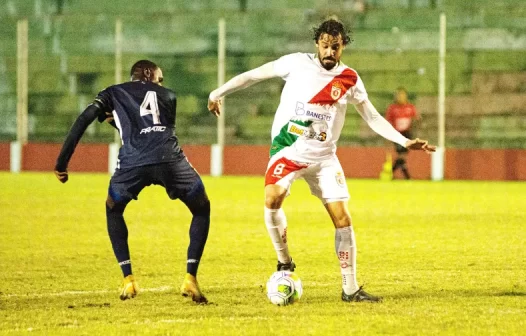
x=118 y=233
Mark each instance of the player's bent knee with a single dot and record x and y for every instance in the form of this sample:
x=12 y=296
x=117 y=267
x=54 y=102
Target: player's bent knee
x=343 y=222
x=202 y=206
x=117 y=200
x=110 y=203
x=273 y=202
x=114 y=206
x=274 y=196
x=199 y=203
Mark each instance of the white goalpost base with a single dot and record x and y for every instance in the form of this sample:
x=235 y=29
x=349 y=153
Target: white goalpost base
x=437 y=164
x=216 y=160
x=15 y=157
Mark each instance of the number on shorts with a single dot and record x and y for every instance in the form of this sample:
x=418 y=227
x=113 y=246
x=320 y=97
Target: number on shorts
x=149 y=106
x=279 y=169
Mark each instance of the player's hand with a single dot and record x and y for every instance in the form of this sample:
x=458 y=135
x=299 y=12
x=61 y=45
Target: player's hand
x=62 y=176
x=214 y=106
x=418 y=144
x=109 y=117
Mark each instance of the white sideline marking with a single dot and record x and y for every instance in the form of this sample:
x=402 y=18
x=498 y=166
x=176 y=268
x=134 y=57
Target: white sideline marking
x=67 y=293
x=240 y=318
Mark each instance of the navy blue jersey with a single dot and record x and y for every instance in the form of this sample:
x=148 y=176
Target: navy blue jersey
x=144 y=113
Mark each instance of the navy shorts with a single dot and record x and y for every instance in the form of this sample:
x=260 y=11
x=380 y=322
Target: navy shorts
x=179 y=179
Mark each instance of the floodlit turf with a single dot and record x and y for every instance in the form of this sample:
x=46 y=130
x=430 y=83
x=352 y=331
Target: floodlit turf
x=449 y=258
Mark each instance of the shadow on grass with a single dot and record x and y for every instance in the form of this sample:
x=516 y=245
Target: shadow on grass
x=454 y=293
x=512 y=293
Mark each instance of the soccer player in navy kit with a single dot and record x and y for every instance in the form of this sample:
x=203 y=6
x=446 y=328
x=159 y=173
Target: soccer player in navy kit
x=144 y=113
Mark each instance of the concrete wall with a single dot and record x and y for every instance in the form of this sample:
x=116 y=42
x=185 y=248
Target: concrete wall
x=357 y=162
x=5 y=151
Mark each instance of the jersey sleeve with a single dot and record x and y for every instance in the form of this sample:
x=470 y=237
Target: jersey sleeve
x=75 y=133
x=105 y=104
x=104 y=101
x=245 y=80
x=357 y=94
x=173 y=100
x=284 y=64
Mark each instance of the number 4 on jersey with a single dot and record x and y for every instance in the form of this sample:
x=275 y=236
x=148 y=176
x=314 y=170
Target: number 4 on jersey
x=149 y=106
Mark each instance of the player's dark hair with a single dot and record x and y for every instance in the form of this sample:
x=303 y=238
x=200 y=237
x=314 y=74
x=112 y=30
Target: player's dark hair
x=334 y=28
x=140 y=68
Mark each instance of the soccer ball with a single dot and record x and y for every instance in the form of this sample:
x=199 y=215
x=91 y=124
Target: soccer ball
x=284 y=287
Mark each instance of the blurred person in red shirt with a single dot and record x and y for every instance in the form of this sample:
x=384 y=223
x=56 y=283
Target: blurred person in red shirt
x=401 y=115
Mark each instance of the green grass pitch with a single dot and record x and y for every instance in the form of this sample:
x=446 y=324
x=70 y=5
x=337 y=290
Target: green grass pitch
x=449 y=258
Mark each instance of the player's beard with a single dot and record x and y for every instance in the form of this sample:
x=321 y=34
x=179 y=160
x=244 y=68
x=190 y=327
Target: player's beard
x=330 y=65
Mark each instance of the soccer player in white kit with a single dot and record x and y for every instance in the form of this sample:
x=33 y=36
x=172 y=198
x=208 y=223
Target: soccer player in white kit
x=306 y=128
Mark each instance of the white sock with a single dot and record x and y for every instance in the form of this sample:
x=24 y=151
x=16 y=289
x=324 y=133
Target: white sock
x=346 y=253
x=276 y=223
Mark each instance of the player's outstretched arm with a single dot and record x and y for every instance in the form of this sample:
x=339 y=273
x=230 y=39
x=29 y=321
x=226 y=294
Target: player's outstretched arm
x=381 y=126
x=72 y=139
x=378 y=123
x=239 y=82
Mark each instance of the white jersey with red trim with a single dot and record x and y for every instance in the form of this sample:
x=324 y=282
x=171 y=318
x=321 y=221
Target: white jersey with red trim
x=311 y=113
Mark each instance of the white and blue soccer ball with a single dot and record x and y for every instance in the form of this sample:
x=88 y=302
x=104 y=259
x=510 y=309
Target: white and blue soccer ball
x=284 y=288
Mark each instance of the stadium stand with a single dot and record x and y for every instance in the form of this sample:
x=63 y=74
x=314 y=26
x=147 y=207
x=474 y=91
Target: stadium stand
x=395 y=43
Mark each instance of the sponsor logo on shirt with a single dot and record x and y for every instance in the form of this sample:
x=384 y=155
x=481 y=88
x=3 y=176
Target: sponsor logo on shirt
x=336 y=90
x=306 y=132
x=295 y=129
x=153 y=129
x=300 y=110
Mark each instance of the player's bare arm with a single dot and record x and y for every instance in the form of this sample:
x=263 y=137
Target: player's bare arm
x=240 y=82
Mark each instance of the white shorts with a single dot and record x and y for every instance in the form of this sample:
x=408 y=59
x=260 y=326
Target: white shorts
x=325 y=178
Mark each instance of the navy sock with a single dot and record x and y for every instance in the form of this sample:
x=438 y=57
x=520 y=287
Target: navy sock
x=200 y=208
x=198 y=236
x=118 y=233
